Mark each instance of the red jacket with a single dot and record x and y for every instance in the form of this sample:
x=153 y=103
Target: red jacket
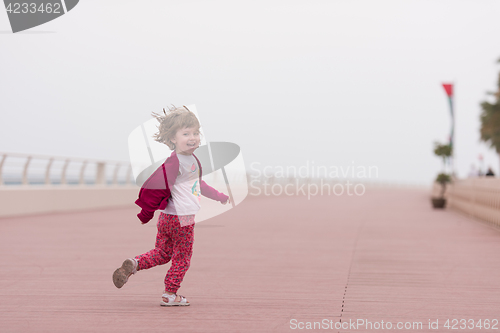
x=155 y=191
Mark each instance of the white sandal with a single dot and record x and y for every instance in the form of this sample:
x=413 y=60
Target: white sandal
x=171 y=300
x=121 y=275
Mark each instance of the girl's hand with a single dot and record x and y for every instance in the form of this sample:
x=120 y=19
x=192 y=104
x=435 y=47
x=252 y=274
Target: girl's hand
x=226 y=202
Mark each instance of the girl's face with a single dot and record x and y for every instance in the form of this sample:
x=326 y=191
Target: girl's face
x=186 y=140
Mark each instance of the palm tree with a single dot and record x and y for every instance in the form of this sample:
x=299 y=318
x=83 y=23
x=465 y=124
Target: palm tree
x=490 y=120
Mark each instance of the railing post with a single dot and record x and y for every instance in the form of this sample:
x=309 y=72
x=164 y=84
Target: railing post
x=81 y=180
x=25 y=171
x=63 y=174
x=129 y=173
x=4 y=157
x=100 y=173
x=115 y=174
x=47 y=171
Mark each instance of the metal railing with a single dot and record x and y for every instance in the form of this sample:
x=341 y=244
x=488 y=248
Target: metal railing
x=31 y=169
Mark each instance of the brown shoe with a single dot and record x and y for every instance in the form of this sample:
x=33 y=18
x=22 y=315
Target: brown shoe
x=121 y=275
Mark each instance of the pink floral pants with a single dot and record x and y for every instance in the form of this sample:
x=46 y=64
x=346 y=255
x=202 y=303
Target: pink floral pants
x=173 y=242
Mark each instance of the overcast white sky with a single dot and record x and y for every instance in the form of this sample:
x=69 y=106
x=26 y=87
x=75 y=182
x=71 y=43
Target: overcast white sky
x=334 y=82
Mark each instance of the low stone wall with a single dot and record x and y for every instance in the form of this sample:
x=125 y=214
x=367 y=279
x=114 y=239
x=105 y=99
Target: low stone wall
x=476 y=197
x=24 y=200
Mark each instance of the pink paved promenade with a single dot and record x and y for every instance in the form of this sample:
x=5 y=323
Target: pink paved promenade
x=386 y=256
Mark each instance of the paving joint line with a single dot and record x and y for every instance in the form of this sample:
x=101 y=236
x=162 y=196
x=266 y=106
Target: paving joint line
x=350 y=266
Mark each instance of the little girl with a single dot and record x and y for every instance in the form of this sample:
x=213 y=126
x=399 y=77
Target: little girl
x=175 y=189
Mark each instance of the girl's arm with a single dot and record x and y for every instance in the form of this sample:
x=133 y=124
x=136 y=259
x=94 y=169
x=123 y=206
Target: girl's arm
x=209 y=192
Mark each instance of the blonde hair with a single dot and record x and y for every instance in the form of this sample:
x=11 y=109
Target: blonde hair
x=170 y=122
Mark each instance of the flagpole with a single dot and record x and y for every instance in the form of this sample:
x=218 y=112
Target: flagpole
x=448 y=88
x=452 y=108
x=453 y=138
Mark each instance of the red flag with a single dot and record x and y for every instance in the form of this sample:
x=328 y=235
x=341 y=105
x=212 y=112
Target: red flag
x=448 y=87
